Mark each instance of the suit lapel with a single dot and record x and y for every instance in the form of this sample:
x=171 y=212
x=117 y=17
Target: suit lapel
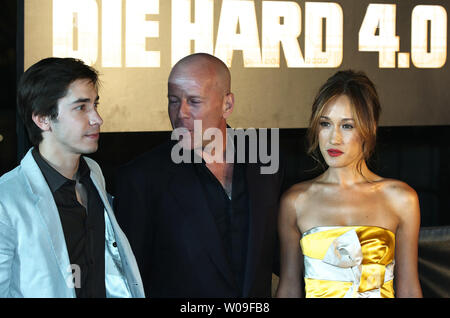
x=188 y=193
x=256 y=225
x=46 y=207
x=125 y=251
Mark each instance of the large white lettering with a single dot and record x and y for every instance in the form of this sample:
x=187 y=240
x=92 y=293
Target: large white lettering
x=238 y=14
x=380 y=18
x=138 y=29
x=112 y=33
x=75 y=32
x=275 y=33
x=318 y=53
x=435 y=55
x=183 y=31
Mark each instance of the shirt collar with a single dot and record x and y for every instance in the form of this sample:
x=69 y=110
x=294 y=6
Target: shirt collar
x=83 y=169
x=54 y=179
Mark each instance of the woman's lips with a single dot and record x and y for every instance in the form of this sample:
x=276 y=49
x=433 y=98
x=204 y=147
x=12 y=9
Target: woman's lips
x=334 y=152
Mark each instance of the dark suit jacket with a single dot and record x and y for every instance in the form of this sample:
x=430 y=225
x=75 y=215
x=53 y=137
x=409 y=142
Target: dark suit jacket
x=161 y=207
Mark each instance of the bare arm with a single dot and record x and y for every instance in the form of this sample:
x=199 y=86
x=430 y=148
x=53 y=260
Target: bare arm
x=406 y=205
x=291 y=259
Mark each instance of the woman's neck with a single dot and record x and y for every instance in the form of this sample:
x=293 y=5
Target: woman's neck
x=349 y=175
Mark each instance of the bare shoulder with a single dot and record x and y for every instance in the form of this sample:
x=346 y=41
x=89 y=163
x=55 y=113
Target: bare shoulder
x=398 y=190
x=293 y=198
x=297 y=191
x=401 y=197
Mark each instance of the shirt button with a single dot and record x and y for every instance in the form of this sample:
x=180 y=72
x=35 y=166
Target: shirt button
x=114 y=244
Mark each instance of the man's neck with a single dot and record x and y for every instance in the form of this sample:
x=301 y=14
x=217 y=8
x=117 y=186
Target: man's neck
x=224 y=174
x=65 y=163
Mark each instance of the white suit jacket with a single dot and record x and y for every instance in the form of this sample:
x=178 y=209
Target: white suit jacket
x=34 y=261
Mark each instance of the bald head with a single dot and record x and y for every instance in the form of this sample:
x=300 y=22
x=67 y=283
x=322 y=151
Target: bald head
x=199 y=90
x=206 y=66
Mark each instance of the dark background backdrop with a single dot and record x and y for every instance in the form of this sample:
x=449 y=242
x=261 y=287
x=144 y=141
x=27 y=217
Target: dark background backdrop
x=419 y=156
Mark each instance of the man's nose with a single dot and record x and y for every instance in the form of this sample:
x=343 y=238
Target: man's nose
x=95 y=118
x=184 y=109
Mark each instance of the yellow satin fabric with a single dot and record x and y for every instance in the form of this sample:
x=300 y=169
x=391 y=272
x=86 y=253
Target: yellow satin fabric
x=377 y=246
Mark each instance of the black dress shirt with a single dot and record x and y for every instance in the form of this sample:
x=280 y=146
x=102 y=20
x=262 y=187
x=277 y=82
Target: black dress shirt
x=231 y=215
x=84 y=229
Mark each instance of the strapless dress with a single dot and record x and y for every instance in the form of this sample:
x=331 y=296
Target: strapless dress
x=348 y=262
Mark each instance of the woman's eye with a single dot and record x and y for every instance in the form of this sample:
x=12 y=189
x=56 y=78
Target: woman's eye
x=324 y=124
x=347 y=126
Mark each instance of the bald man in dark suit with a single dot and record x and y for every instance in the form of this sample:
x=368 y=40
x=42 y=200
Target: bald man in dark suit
x=205 y=228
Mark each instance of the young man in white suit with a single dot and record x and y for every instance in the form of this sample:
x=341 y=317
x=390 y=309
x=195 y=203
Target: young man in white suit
x=58 y=233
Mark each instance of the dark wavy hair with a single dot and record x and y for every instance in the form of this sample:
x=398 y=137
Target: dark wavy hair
x=43 y=84
x=365 y=106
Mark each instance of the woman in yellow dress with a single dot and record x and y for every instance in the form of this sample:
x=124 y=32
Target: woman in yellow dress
x=350 y=230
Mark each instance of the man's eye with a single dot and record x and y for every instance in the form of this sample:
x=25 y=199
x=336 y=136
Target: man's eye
x=80 y=107
x=195 y=101
x=173 y=101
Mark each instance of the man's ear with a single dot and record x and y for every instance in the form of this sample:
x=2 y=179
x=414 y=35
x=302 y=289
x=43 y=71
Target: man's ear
x=43 y=122
x=228 y=105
